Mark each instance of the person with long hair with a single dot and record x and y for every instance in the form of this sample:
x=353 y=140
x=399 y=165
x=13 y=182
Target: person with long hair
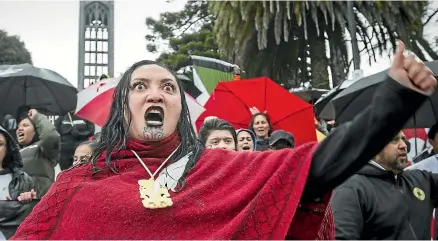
x=151 y=179
x=261 y=126
x=16 y=187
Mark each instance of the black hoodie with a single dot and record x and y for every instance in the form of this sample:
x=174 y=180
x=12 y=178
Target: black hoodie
x=377 y=204
x=12 y=213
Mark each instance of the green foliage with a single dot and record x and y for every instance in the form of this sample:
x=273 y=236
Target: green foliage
x=12 y=50
x=187 y=32
x=288 y=40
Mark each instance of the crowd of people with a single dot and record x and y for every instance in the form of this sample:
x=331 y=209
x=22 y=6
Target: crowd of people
x=149 y=175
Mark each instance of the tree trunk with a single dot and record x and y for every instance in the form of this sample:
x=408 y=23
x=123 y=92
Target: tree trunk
x=337 y=66
x=318 y=57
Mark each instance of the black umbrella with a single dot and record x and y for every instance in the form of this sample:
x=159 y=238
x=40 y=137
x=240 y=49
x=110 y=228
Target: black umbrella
x=322 y=107
x=357 y=97
x=189 y=86
x=42 y=89
x=308 y=94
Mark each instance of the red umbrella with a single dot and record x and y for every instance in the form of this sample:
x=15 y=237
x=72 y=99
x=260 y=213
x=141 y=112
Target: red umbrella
x=231 y=101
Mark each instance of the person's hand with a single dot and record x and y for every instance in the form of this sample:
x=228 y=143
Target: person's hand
x=254 y=110
x=32 y=113
x=25 y=197
x=412 y=73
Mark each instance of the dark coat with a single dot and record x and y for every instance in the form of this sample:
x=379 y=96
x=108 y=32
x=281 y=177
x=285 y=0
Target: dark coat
x=377 y=204
x=12 y=213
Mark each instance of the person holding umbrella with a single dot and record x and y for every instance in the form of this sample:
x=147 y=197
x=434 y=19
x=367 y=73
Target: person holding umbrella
x=261 y=126
x=151 y=179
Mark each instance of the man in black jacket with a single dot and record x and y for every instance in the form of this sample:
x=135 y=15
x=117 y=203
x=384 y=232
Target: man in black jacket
x=382 y=201
x=73 y=131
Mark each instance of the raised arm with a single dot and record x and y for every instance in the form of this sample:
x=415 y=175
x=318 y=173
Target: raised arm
x=49 y=137
x=353 y=144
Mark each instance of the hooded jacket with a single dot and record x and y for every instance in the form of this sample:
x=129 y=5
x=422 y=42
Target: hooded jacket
x=377 y=204
x=12 y=213
x=42 y=155
x=253 y=136
x=73 y=130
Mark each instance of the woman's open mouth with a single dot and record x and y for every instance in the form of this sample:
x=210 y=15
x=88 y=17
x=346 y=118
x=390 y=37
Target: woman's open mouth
x=20 y=135
x=246 y=148
x=154 y=116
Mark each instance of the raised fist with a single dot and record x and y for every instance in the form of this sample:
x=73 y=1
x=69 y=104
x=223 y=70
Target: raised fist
x=32 y=113
x=412 y=73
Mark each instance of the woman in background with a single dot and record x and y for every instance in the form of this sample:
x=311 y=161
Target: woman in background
x=246 y=140
x=16 y=187
x=262 y=128
x=40 y=143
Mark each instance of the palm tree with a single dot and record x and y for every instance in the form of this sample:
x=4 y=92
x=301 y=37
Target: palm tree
x=288 y=40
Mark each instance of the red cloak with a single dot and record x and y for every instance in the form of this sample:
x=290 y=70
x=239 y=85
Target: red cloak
x=228 y=195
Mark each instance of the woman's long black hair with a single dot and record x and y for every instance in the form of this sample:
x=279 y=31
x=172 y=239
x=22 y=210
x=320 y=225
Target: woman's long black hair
x=114 y=134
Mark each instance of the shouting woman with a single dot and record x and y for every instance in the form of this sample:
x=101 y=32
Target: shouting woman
x=151 y=179
x=40 y=143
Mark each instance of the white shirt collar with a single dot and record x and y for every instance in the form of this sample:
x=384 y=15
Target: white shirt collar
x=372 y=162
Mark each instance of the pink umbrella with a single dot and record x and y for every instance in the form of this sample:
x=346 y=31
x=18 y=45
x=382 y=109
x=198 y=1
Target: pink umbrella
x=94 y=102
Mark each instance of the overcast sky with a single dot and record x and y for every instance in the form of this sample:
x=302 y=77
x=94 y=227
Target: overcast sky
x=50 y=32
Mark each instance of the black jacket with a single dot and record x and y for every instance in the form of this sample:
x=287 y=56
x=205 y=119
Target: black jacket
x=377 y=204
x=348 y=148
x=73 y=129
x=12 y=213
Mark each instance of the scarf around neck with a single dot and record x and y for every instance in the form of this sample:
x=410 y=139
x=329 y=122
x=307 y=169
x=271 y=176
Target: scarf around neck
x=151 y=153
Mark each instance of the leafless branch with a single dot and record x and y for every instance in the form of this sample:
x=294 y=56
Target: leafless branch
x=430 y=17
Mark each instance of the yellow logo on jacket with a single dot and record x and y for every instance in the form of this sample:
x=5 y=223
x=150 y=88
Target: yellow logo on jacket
x=419 y=193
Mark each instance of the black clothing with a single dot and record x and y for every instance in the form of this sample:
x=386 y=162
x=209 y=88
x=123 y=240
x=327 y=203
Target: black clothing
x=348 y=148
x=262 y=144
x=12 y=213
x=377 y=204
x=73 y=131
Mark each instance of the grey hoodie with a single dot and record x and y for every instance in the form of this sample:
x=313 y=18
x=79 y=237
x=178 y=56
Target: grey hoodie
x=41 y=157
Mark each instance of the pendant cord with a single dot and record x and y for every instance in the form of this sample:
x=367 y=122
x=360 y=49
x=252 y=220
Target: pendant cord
x=159 y=168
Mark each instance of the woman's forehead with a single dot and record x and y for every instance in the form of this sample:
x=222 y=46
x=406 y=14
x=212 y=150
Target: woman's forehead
x=152 y=72
x=25 y=121
x=260 y=118
x=244 y=133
